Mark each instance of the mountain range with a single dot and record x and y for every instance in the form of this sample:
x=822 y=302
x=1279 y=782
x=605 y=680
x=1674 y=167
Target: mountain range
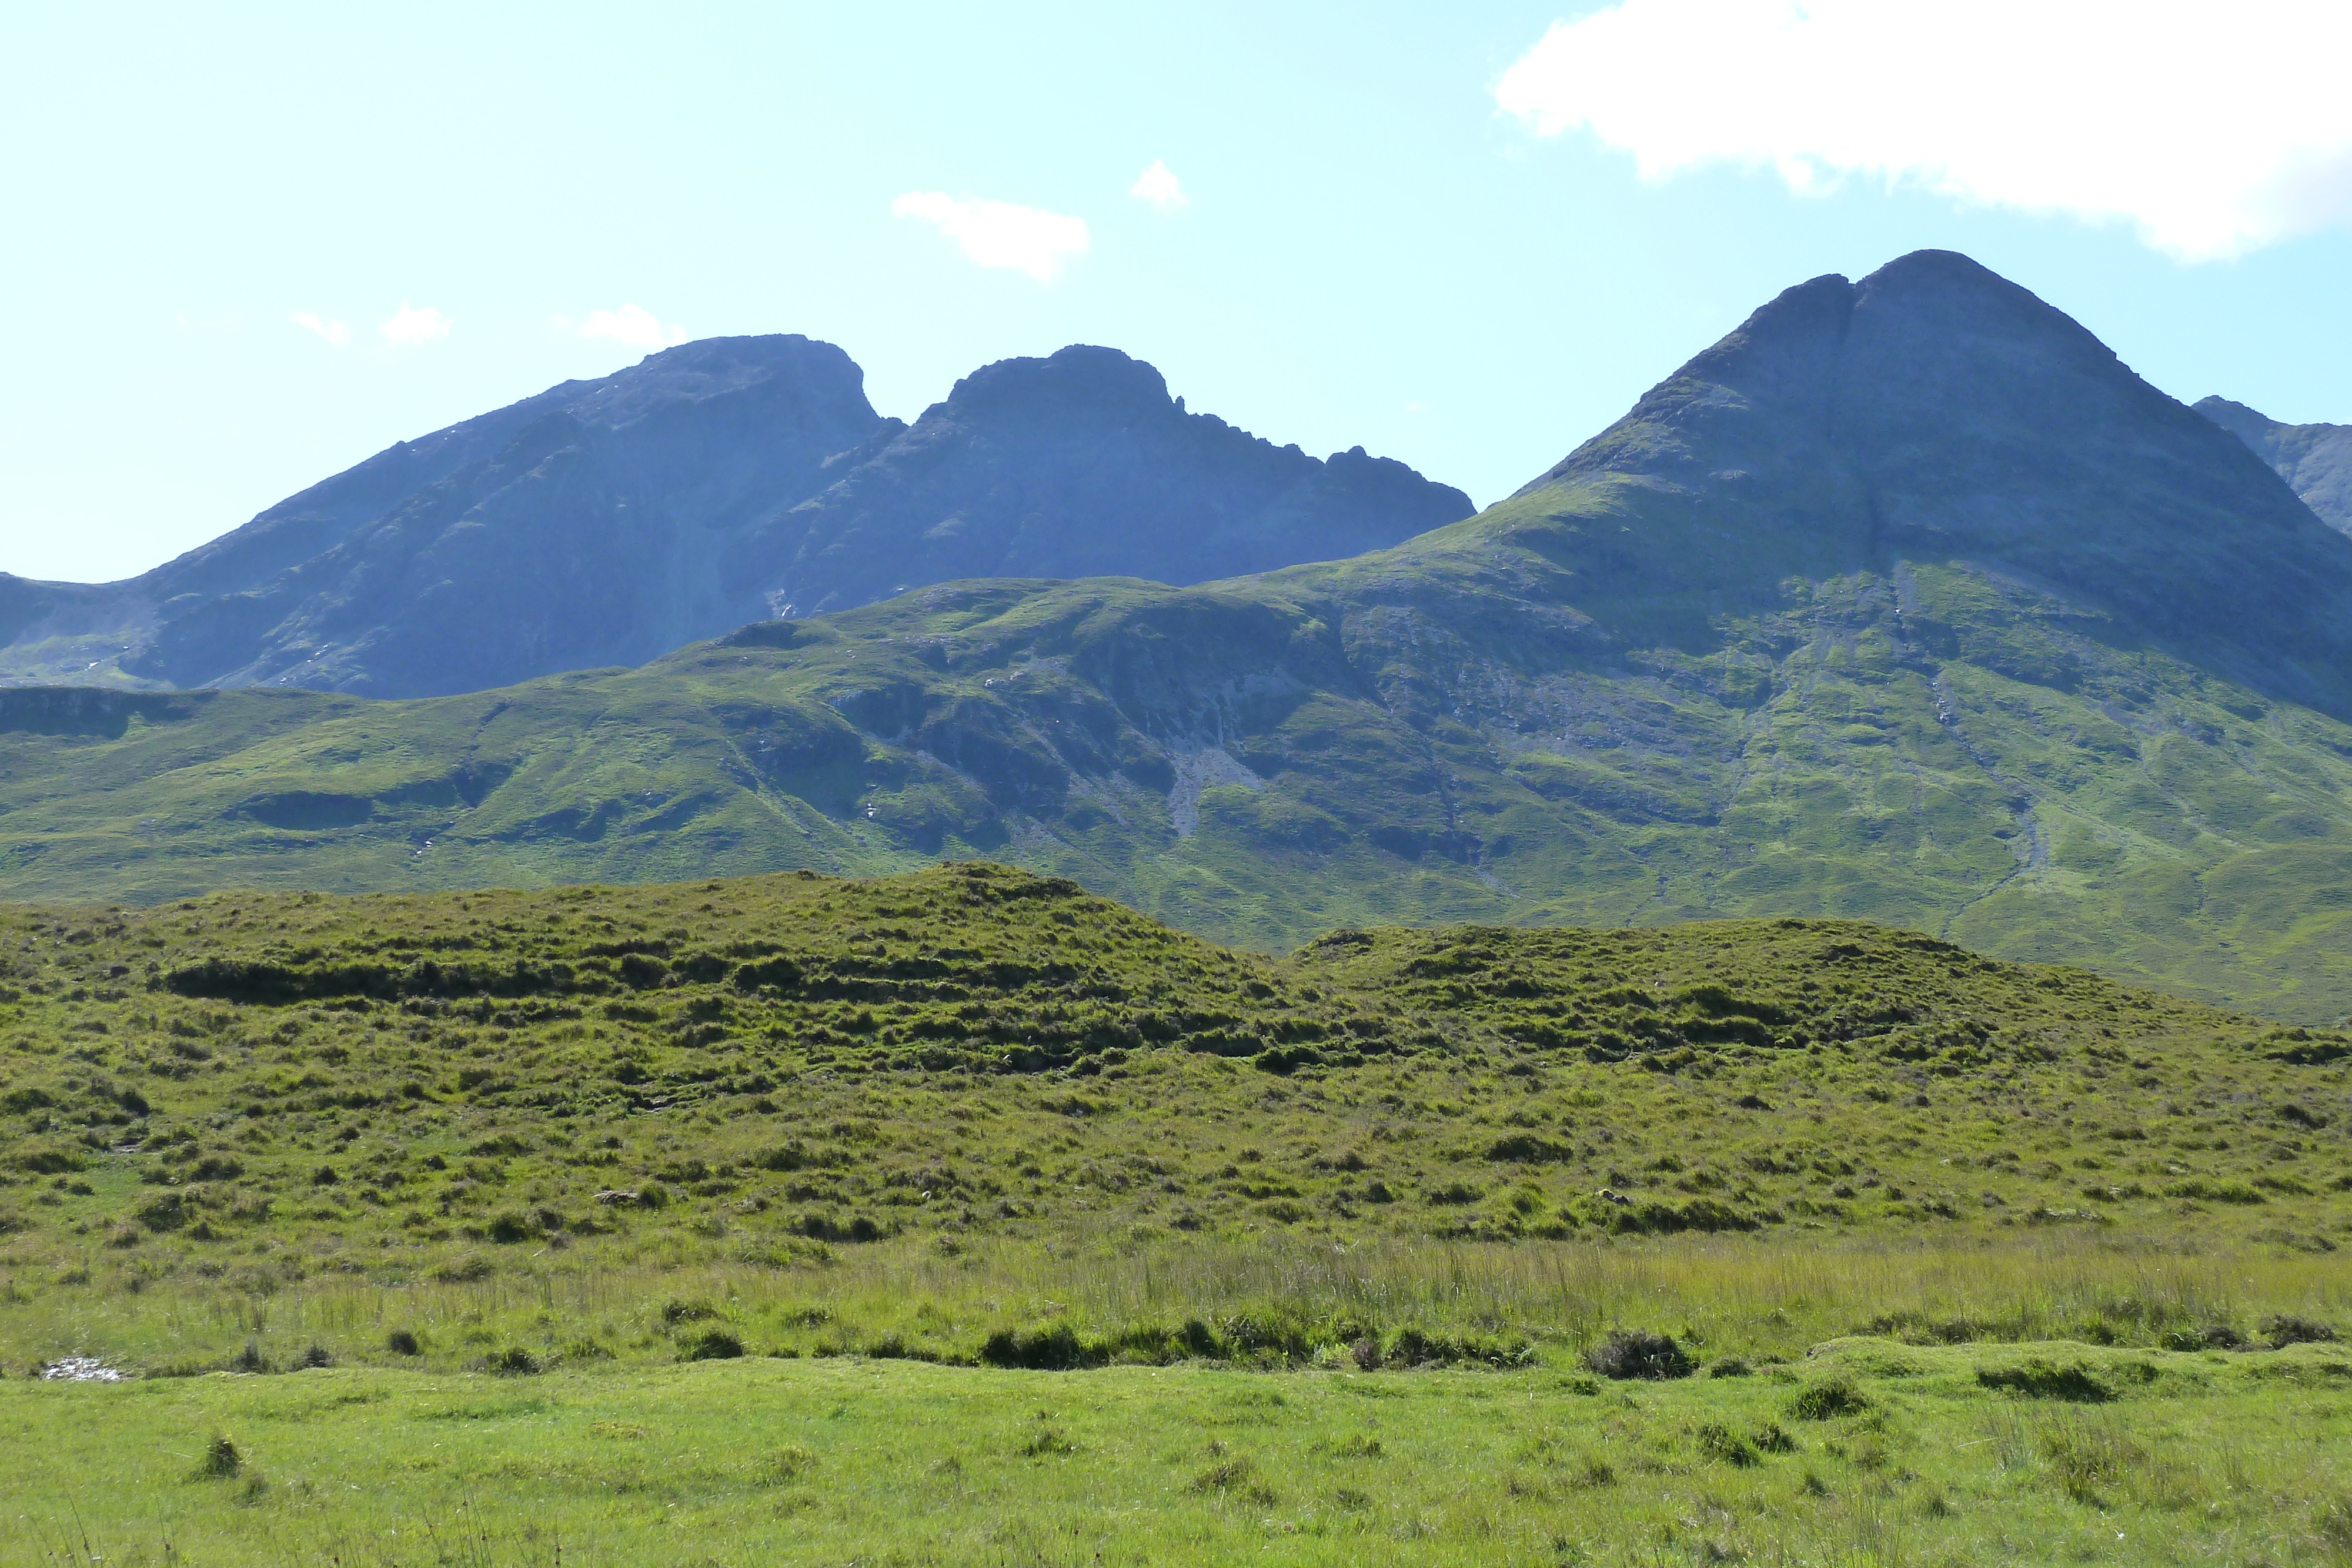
x=725 y=481
x=1906 y=600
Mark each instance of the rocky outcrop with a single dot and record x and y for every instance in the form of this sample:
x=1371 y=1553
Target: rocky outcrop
x=1081 y=465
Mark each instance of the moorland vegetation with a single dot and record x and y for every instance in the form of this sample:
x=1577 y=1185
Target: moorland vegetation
x=245 y=1093
x=963 y=1214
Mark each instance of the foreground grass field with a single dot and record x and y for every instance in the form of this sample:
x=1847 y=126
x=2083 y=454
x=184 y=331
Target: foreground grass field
x=963 y=1217
x=1865 y=1451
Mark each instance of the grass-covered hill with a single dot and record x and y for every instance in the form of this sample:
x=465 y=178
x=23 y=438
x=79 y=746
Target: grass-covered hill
x=766 y=1068
x=1906 y=603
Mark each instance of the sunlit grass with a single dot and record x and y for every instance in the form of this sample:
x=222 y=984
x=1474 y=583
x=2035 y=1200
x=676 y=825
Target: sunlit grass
x=2194 y=1456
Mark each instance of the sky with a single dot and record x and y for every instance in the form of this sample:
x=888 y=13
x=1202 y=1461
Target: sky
x=247 y=246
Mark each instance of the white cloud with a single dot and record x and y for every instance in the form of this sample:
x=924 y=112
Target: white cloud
x=419 y=324
x=1160 y=187
x=338 y=333
x=2213 y=130
x=630 y=324
x=998 y=234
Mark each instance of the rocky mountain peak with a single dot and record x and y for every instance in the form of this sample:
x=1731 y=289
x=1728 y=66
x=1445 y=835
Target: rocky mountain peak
x=716 y=482
x=1082 y=383
x=786 y=369
x=1937 y=410
x=1076 y=465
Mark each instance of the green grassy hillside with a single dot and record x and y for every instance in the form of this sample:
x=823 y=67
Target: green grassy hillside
x=768 y=1071
x=1973 y=767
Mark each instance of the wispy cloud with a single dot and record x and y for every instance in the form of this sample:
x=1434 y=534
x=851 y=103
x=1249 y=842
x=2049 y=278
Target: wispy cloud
x=338 y=333
x=416 y=324
x=999 y=234
x=2212 y=129
x=630 y=324
x=1159 y=186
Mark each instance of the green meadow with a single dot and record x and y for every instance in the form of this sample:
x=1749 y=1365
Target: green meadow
x=1865 y=1451
x=965 y=1217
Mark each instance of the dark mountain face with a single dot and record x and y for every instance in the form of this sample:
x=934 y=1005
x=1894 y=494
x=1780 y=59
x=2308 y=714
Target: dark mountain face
x=607 y=522
x=1081 y=465
x=2315 y=460
x=107 y=618
x=593 y=537
x=579 y=528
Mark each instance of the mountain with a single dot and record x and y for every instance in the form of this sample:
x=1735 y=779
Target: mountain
x=1080 y=465
x=1905 y=601
x=2315 y=460
x=577 y=527
x=608 y=522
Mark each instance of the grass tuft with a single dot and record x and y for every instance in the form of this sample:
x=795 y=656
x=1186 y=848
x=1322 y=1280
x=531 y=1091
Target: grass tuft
x=1720 y=1443
x=2284 y=1330
x=1236 y=1478
x=1829 y=1399
x=1631 y=1354
x=712 y=1344
x=1047 y=1442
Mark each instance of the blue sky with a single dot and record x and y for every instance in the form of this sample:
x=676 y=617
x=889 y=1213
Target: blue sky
x=1371 y=249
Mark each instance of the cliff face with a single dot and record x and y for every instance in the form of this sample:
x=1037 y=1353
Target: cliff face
x=1081 y=465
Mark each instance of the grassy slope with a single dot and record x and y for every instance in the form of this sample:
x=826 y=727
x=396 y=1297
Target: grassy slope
x=255 y=1129
x=1905 y=601
x=775 y=1073
x=1406 y=738
x=2196 y=1459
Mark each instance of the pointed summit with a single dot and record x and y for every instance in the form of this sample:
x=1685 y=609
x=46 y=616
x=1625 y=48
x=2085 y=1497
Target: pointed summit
x=1935 y=410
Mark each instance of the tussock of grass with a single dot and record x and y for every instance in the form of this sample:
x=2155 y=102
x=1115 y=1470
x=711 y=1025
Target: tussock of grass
x=1236 y=1478
x=712 y=1344
x=1638 y=1354
x=1828 y=1399
x=2086 y=1458
x=1718 y=1442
